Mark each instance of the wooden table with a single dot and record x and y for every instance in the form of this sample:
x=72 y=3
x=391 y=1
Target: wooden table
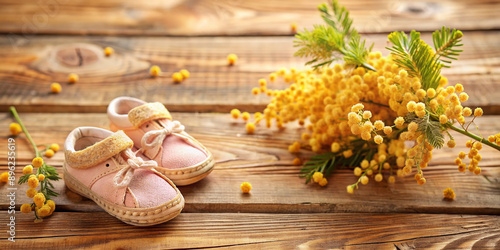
x=43 y=41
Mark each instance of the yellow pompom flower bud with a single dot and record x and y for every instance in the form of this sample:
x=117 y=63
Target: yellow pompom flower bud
x=108 y=51
x=317 y=176
x=155 y=71
x=422 y=181
x=177 y=77
x=357 y=171
x=25 y=208
x=256 y=91
x=296 y=162
x=245 y=187
x=399 y=122
x=272 y=77
x=44 y=211
x=235 y=113
x=28 y=169
x=323 y=182
x=459 y=88
x=55 y=87
x=379 y=177
x=31 y=192
x=477 y=171
x=73 y=78
x=379 y=125
x=41 y=177
x=387 y=130
x=231 y=59
x=364 y=180
x=431 y=93
x=443 y=119
x=185 y=74
x=449 y=194
x=49 y=153
x=347 y=153
x=33 y=182
x=37 y=162
x=478 y=112
x=39 y=199
x=451 y=143
x=350 y=189
x=250 y=127
x=54 y=147
x=15 y=128
x=4 y=177
x=467 y=111
x=52 y=205
x=335 y=147
x=245 y=116
x=463 y=97
x=411 y=106
x=378 y=139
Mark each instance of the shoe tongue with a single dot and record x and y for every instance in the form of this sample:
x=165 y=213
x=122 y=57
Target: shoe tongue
x=148 y=112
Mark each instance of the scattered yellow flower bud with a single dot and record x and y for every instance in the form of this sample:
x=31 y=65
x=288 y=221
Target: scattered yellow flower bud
x=73 y=78
x=185 y=74
x=54 y=147
x=296 y=162
x=478 y=145
x=293 y=28
x=379 y=177
x=250 y=128
x=256 y=91
x=235 y=113
x=449 y=194
x=347 y=153
x=246 y=187
x=15 y=128
x=4 y=177
x=462 y=167
x=55 y=88
x=477 y=171
x=49 y=153
x=392 y=179
x=155 y=71
x=378 y=139
x=451 y=143
x=41 y=177
x=272 y=77
x=231 y=59
x=177 y=77
x=108 y=51
x=463 y=97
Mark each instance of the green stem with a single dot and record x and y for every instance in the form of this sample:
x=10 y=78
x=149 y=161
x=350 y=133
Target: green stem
x=16 y=116
x=473 y=136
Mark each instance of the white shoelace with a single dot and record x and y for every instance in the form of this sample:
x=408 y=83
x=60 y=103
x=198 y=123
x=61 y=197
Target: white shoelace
x=158 y=136
x=126 y=173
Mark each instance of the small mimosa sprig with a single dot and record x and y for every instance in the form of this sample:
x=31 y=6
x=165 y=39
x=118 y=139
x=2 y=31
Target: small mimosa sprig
x=42 y=204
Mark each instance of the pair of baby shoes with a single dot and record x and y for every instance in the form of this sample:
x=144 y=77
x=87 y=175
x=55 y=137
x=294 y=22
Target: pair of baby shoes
x=132 y=173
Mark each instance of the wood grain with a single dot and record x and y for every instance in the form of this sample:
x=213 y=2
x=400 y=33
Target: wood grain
x=27 y=71
x=263 y=160
x=260 y=231
x=211 y=17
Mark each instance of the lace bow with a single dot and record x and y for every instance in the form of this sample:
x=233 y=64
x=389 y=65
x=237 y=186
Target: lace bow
x=152 y=140
x=125 y=175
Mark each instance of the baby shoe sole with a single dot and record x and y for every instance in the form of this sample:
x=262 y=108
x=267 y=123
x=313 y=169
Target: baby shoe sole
x=132 y=216
x=189 y=175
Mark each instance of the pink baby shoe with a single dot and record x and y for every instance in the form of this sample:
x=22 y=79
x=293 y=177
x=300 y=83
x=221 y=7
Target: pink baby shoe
x=101 y=166
x=180 y=157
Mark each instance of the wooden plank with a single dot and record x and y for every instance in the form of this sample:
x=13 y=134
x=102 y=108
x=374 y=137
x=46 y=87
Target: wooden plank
x=263 y=160
x=260 y=231
x=27 y=71
x=209 y=17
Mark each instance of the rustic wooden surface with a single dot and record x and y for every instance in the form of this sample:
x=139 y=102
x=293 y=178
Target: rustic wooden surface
x=41 y=42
